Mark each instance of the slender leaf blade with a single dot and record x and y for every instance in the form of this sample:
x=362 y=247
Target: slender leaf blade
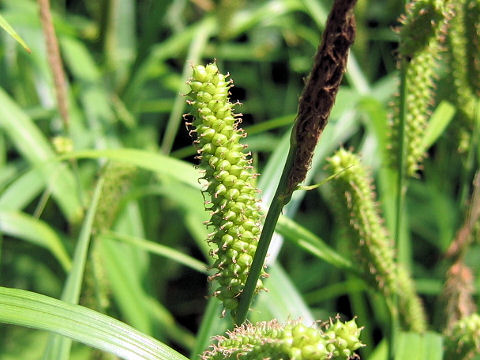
x=36 y=231
x=11 y=31
x=25 y=308
x=59 y=347
x=34 y=147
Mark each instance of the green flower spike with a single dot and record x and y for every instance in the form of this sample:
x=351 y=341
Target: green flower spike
x=472 y=29
x=421 y=36
x=293 y=341
x=463 y=342
x=355 y=199
x=464 y=65
x=230 y=182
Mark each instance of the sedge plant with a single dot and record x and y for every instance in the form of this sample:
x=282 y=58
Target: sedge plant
x=92 y=211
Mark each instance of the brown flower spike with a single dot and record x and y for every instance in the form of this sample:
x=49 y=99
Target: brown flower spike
x=321 y=88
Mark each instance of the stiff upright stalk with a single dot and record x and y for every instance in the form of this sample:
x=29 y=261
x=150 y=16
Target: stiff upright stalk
x=314 y=108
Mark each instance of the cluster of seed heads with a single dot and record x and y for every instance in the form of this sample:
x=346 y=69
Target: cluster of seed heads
x=421 y=36
x=357 y=209
x=293 y=340
x=230 y=182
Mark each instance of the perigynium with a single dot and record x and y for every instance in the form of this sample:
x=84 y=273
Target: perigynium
x=229 y=182
x=359 y=216
x=292 y=340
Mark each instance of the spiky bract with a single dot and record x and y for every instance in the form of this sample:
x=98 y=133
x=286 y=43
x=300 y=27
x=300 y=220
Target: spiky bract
x=230 y=182
x=358 y=211
x=421 y=35
x=291 y=341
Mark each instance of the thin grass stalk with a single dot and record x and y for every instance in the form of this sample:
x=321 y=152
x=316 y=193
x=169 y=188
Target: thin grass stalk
x=314 y=108
x=468 y=168
x=400 y=198
x=60 y=83
x=55 y=62
x=280 y=199
x=399 y=201
x=208 y=323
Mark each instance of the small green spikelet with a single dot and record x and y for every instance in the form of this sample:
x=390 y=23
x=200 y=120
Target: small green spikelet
x=355 y=201
x=230 y=182
x=463 y=342
x=293 y=341
x=118 y=178
x=421 y=37
x=464 y=66
x=472 y=32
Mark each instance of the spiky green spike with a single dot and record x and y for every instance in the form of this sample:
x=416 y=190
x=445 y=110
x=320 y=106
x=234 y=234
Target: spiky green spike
x=421 y=37
x=355 y=200
x=464 y=66
x=230 y=182
x=293 y=341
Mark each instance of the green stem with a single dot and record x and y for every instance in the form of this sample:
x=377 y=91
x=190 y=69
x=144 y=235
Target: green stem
x=469 y=164
x=280 y=199
x=400 y=198
x=401 y=156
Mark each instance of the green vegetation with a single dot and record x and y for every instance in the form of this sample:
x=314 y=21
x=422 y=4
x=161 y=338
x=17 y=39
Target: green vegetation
x=103 y=236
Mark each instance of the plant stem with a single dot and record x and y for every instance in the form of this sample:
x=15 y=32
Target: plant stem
x=400 y=198
x=401 y=149
x=469 y=163
x=280 y=199
x=314 y=108
x=55 y=63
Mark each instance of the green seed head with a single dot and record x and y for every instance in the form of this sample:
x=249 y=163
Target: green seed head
x=421 y=36
x=118 y=179
x=463 y=54
x=230 y=182
x=293 y=340
x=358 y=213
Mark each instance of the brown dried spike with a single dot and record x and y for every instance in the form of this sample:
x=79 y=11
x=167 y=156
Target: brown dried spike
x=321 y=88
x=458 y=293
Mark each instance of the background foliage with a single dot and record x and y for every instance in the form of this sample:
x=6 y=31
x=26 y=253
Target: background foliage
x=126 y=63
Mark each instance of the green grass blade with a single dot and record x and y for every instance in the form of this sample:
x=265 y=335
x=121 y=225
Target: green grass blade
x=120 y=40
x=58 y=347
x=161 y=164
x=282 y=301
x=94 y=96
x=414 y=346
x=175 y=331
x=22 y=191
x=33 y=146
x=158 y=249
x=10 y=31
x=312 y=244
x=148 y=69
x=24 y=308
x=36 y=231
x=125 y=283
x=439 y=121
x=211 y=325
x=267 y=12
x=196 y=48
